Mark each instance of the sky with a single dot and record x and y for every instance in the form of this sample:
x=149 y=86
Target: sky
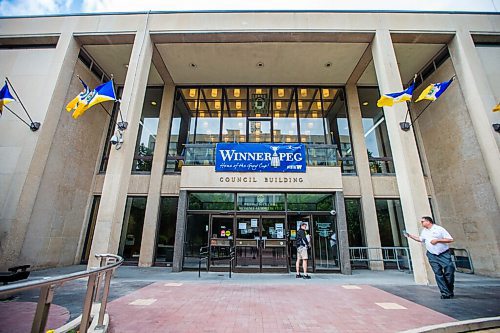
x=46 y=7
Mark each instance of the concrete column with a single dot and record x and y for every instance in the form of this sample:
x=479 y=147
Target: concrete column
x=479 y=99
x=372 y=235
x=180 y=232
x=52 y=102
x=151 y=222
x=114 y=193
x=342 y=236
x=409 y=174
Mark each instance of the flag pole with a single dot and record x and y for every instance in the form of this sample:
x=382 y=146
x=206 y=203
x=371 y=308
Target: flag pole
x=405 y=125
x=122 y=125
x=414 y=120
x=15 y=114
x=34 y=126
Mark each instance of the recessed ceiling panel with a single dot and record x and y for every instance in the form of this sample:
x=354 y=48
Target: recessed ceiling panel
x=411 y=58
x=261 y=63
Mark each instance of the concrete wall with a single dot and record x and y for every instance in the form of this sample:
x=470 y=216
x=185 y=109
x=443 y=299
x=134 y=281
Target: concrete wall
x=490 y=58
x=27 y=69
x=463 y=193
x=55 y=226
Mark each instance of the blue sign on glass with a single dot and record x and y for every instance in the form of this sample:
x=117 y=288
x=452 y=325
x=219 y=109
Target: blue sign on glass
x=260 y=157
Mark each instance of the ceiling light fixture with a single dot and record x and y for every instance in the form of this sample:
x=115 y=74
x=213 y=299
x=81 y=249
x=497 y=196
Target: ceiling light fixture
x=153 y=103
x=328 y=65
x=281 y=92
x=214 y=93
x=318 y=104
x=258 y=91
x=365 y=103
x=303 y=92
x=192 y=92
x=217 y=105
x=193 y=65
x=300 y=105
x=326 y=92
x=236 y=93
x=238 y=105
x=260 y=64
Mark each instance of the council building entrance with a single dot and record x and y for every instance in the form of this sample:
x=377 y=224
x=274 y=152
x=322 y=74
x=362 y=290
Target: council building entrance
x=261 y=229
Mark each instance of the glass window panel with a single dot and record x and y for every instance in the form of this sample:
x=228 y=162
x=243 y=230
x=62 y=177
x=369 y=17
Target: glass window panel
x=354 y=222
x=260 y=100
x=285 y=120
x=390 y=222
x=338 y=123
x=311 y=116
x=133 y=222
x=261 y=202
x=259 y=131
x=234 y=126
x=166 y=230
x=148 y=126
x=211 y=201
x=309 y=202
x=196 y=238
x=375 y=132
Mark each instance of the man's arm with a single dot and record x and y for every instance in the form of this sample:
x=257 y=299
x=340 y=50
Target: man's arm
x=441 y=240
x=415 y=238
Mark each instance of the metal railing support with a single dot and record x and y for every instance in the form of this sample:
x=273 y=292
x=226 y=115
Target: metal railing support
x=389 y=254
x=109 y=262
x=42 y=309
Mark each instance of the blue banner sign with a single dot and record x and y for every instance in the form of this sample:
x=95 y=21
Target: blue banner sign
x=260 y=157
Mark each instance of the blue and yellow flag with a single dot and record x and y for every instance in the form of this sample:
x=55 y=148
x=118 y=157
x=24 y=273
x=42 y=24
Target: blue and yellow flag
x=87 y=98
x=391 y=99
x=496 y=108
x=5 y=97
x=434 y=90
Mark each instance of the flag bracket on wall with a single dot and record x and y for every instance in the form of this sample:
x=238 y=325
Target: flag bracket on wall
x=431 y=93
x=6 y=97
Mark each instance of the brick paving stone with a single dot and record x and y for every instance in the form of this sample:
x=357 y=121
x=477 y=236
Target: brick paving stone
x=218 y=307
x=17 y=317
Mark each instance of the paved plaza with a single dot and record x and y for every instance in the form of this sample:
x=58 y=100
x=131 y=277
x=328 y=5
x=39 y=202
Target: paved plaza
x=156 y=300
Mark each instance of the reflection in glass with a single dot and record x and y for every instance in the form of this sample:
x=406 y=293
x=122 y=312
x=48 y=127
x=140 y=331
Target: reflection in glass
x=310 y=202
x=354 y=222
x=166 y=230
x=325 y=242
x=196 y=238
x=148 y=126
x=261 y=201
x=211 y=201
x=390 y=222
x=375 y=132
x=133 y=222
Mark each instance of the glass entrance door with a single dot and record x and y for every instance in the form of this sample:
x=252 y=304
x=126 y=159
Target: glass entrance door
x=325 y=243
x=261 y=243
x=221 y=240
x=294 y=222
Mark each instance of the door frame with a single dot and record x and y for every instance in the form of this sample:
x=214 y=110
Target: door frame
x=260 y=216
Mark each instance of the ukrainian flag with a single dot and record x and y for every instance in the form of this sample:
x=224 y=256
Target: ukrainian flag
x=496 y=108
x=434 y=90
x=87 y=99
x=391 y=99
x=5 y=97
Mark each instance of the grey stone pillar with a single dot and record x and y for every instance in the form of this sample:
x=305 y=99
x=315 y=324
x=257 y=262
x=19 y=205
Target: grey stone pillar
x=343 y=239
x=479 y=99
x=180 y=232
x=411 y=183
x=114 y=193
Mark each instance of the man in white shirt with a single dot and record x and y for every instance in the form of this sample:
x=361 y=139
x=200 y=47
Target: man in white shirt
x=436 y=240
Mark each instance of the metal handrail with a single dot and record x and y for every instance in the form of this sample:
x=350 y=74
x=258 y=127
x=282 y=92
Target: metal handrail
x=108 y=264
x=388 y=254
x=467 y=256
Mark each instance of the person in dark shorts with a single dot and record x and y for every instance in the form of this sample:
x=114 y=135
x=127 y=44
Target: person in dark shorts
x=302 y=244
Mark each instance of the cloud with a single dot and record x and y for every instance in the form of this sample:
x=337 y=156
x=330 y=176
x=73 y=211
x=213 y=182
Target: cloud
x=34 y=7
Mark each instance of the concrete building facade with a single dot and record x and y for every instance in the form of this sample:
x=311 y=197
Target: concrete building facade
x=187 y=81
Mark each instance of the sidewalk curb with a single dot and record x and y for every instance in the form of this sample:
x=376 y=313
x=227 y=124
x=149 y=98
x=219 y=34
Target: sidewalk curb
x=459 y=326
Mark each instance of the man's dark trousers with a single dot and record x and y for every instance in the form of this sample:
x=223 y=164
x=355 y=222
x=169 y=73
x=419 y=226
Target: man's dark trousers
x=444 y=271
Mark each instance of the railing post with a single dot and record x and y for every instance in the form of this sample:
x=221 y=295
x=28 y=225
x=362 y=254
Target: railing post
x=87 y=303
x=42 y=309
x=104 y=300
